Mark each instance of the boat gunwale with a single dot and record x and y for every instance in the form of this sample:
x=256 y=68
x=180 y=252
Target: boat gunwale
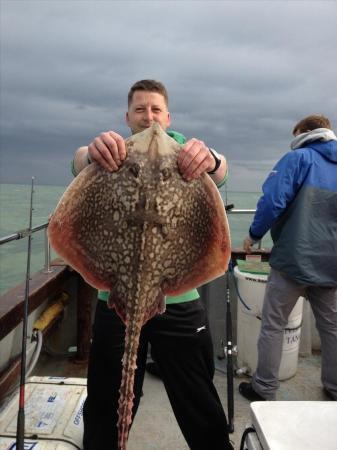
x=42 y=286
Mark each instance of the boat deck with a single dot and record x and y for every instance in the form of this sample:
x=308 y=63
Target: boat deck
x=155 y=427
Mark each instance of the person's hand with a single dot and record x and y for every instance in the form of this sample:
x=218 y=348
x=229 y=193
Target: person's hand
x=195 y=159
x=108 y=150
x=247 y=244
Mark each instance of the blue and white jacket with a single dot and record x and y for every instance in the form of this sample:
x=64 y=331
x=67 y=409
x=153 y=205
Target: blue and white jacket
x=299 y=206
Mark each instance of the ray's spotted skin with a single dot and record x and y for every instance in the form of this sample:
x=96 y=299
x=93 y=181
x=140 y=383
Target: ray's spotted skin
x=141 y=233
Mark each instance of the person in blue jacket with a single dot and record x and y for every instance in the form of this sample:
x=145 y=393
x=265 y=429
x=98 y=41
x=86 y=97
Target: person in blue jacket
x=299 y=206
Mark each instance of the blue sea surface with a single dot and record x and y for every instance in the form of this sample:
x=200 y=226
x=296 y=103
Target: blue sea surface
x=14 y=216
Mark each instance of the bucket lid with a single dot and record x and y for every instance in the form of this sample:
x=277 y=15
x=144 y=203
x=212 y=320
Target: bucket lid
x=255 y=267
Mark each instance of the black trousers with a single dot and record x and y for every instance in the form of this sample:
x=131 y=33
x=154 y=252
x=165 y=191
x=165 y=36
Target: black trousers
x=182 y=348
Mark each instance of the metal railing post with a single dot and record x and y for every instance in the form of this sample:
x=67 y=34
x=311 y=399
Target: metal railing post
x=47 y=267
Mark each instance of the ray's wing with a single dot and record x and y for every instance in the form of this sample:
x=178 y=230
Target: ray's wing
x=89 y=226
x=201 y=238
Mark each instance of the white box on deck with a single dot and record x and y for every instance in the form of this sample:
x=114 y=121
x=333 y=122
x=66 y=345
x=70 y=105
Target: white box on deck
x=295 y=425
x=53 y=414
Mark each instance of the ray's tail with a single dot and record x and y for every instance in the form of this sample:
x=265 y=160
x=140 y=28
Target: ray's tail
x=126 y=395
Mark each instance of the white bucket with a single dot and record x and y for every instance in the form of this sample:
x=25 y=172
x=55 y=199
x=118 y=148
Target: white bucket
x=251 y=288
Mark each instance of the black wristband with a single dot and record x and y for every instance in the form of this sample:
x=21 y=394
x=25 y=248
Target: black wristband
x=217 y=162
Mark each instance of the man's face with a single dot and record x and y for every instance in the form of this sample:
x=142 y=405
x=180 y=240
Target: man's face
x=146 y=108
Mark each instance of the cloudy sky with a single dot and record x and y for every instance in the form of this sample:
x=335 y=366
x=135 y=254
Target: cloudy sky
x=239 y=75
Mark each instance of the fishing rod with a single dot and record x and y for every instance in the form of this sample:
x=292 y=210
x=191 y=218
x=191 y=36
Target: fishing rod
x=20 y=430
x=228 y=350
x=229 y=357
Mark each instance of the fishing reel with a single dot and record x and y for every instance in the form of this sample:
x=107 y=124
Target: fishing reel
x=228 y=350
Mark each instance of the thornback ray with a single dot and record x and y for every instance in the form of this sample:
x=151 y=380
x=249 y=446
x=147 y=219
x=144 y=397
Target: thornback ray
x=141 y=233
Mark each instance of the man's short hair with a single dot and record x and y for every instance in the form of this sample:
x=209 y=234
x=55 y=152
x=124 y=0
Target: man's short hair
x=148 y=86
x=312 y=122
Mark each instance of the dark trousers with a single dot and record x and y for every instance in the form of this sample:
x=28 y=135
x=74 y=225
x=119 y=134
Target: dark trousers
x=183 y=350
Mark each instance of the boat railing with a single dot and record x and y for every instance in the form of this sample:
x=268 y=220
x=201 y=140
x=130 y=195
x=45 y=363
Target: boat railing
x=22 y=234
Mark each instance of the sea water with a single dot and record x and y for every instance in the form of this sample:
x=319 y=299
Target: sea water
x=14 y=216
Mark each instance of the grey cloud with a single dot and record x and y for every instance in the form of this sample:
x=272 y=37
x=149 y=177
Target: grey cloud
x=239 y=75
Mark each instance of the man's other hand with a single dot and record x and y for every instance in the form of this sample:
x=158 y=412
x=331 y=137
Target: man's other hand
x=248 y=244
x=195 y=159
